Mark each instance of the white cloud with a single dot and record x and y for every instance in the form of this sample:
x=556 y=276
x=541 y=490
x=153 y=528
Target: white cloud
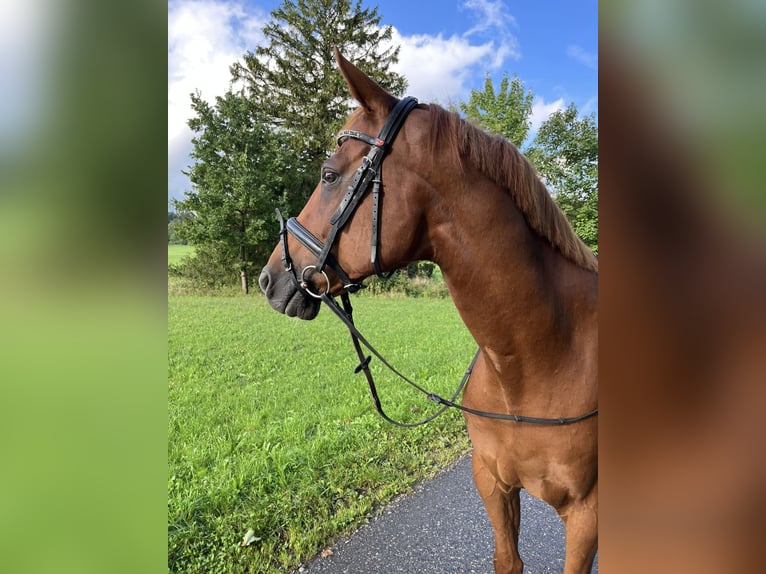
x=587 y=59
x=590 y=106
x=440 y=69
x=542 y=111
x=205 y=37
x=494 y=21
x=491 y=16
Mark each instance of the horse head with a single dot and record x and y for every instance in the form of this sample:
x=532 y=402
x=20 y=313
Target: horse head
x=346 y=232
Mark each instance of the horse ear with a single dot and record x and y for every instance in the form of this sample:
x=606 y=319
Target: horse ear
x=374 y=99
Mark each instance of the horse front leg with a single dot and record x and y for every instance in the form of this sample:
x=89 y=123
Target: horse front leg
x=504 y=511
x=581 y=521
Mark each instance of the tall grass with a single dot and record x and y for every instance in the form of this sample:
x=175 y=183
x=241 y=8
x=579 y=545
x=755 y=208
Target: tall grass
x=270 y=430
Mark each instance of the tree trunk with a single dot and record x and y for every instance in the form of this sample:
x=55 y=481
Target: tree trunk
x=243 y=275
x=243 y=269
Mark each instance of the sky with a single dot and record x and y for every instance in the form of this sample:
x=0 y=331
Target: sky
x=448 y=47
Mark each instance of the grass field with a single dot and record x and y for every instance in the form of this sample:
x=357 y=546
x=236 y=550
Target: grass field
x=270 y=430
x=176 y=252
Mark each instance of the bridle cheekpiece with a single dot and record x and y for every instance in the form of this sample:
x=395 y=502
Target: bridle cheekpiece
x=367 y=175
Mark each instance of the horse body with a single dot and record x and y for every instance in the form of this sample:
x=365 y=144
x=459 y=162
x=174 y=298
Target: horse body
x=533 y=314
x=523 y=285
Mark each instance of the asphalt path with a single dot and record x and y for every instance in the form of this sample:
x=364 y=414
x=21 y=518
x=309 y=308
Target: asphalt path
x=441 y=527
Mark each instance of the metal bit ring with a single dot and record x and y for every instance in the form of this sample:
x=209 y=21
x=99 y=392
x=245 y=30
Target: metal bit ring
x=306 y=286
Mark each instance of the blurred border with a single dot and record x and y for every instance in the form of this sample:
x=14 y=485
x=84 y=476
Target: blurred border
x=82 y=294
x=682 y=286
x=82 y=286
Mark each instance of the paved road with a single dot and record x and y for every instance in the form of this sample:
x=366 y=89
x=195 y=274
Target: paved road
x=442 y=528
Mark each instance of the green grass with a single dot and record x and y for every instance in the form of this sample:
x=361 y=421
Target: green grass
x=177 y=252
x=270 y=430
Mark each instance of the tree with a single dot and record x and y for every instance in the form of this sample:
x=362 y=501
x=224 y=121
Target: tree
x=293 y=77
x=505 y=113
x=174 y=221
x=565 y=153
x=243 y=170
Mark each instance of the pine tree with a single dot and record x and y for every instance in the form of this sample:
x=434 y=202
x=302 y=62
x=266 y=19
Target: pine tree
x=242 y=171
x=293 y=77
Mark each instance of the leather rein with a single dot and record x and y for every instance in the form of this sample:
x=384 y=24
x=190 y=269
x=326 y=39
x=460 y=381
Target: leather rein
x=369 y=174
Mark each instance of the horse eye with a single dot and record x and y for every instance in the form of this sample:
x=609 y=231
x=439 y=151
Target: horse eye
x=330 y=177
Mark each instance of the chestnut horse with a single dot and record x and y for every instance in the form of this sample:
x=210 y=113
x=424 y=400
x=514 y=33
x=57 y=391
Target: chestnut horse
x=523 y=283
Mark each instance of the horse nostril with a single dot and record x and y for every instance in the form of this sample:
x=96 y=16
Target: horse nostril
x=264 y=281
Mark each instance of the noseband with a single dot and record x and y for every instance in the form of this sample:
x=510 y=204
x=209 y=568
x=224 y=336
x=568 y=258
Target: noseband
x=368 y=173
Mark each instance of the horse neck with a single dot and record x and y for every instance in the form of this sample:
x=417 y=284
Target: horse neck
x=525 y=304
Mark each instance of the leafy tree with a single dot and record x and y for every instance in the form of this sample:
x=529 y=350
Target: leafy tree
x=243 y=169
x=565 y=153
x=174 y=221
x=293 y=77
x=505 y=113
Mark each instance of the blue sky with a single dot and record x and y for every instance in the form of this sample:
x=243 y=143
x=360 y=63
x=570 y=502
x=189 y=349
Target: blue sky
x=447 y=49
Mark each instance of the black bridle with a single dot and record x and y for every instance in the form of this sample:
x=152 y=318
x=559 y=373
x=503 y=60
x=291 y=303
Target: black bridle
x=369 y=174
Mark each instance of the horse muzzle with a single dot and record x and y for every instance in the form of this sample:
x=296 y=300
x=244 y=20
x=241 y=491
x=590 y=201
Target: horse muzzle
x=284 y=296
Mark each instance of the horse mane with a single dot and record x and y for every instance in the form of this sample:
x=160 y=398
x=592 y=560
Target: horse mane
x=505 y=165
